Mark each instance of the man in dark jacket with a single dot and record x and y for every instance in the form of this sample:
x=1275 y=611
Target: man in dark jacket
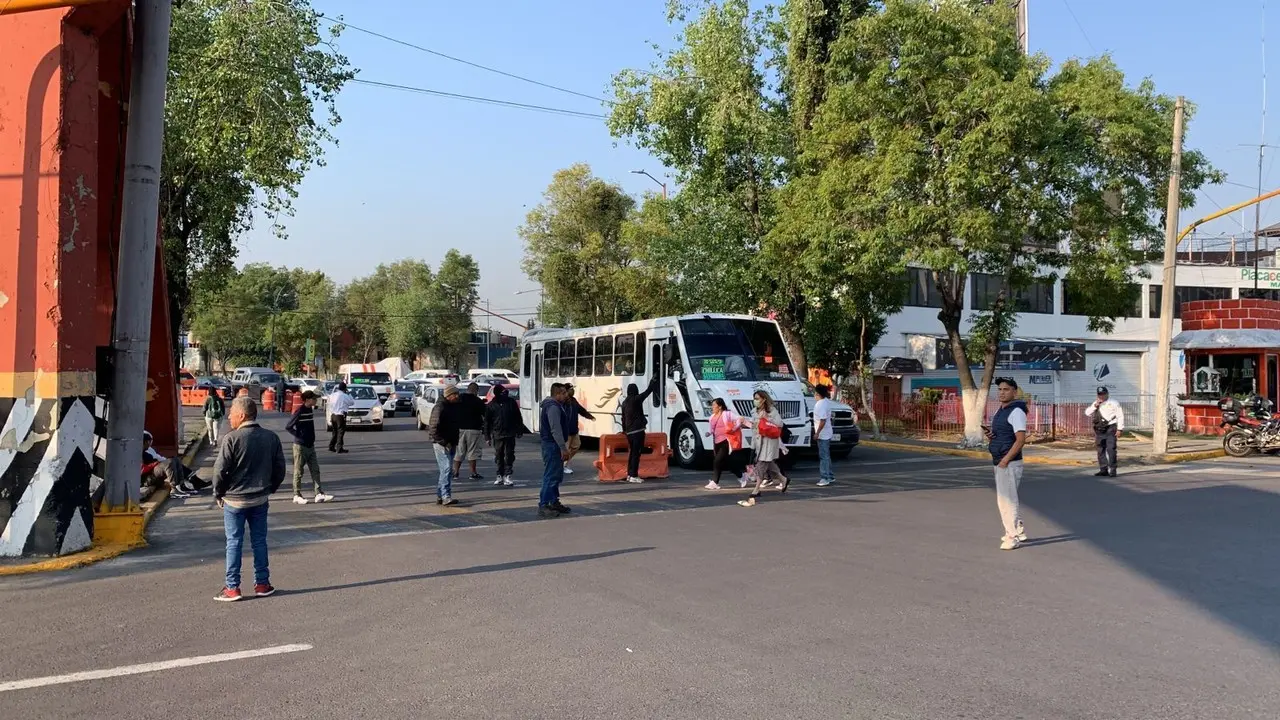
x=553 y=429
x=249 y=468
x=502 y=426
x=574 y=410
x=634 y=423
x=470 y=414
x=303 y=429
x=444 y=439
x=1006 y=436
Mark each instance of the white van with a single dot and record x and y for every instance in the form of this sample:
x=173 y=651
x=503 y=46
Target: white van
x=366 y=374
x=511 y=376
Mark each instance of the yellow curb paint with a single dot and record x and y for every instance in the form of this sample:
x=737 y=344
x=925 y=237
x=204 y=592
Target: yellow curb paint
x=97 y=553
x=1033 y=459
x=123 y=528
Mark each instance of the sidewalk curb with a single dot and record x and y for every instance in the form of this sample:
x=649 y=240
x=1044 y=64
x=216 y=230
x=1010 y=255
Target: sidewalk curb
x=97 y=553
x=1166 y=459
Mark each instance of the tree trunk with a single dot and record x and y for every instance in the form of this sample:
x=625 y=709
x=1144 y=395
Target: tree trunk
x=973 y=400
x=865 y=379
x=795 y=343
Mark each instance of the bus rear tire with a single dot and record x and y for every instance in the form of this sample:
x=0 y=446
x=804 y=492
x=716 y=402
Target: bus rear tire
x=686 y=444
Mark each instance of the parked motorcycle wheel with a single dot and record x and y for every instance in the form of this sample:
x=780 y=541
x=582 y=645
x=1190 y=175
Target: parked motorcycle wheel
x=1236 y=444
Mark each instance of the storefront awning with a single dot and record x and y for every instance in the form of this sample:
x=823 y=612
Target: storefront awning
x=1226 y=339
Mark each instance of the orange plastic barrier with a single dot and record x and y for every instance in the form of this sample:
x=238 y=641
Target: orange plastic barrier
x=295 y=401
x=190 y=397
x=268 y=399
x=244 y=392
x=612 y=465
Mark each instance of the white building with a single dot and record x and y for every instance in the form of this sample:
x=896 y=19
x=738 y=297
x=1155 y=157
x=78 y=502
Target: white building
x=1124 y=360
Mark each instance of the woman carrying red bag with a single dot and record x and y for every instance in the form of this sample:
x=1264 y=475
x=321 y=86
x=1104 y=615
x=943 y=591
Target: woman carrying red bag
x=767 y=443
x=726 y=436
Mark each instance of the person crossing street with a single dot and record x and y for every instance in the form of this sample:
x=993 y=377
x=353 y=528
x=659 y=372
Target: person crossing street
x=1006 y=436
x=502 y=426
x=444 y=440
x=249 y=469
x=553 y=429
x=1108 y=423
x=302 y=427
x=339 y=404
x=214 y=410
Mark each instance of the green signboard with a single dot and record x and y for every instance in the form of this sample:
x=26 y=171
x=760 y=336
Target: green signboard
x=712 y=369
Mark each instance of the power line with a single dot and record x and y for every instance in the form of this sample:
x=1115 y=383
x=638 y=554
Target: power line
x=482 y=100
x=1072 y=13
x=343 y=313
x=437 y=53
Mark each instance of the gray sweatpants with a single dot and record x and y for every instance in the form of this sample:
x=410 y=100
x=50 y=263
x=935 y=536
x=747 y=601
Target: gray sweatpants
x=1007 y=480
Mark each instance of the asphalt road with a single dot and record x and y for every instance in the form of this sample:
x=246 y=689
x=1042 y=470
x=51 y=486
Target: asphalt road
x=1152 y=595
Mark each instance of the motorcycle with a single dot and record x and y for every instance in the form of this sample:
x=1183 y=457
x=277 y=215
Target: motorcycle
x=1253 y=427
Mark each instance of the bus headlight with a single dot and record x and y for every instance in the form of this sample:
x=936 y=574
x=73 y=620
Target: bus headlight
x=704 y=396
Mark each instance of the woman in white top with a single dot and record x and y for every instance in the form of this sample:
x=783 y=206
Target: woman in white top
x=767 y=449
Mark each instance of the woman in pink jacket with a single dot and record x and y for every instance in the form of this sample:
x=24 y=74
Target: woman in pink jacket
x=726 y=436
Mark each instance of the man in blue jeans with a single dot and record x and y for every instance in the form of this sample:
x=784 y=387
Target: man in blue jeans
x=249 y=468
x=824 y=432
x=553 y=428
x=445 y=432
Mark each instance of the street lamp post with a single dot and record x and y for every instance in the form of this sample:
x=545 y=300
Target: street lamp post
x=540 y=301
x=660 y=183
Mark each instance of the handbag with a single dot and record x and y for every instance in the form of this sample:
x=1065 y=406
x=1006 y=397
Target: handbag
x=768 y=429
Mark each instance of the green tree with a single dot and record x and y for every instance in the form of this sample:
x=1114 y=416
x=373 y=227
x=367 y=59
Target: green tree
x=251 y=100
x=408 y=320
x=454 y=299
x=363 y=309
x=940 y=143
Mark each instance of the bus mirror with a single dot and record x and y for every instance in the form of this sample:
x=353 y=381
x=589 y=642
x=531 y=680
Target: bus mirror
x=668 y=353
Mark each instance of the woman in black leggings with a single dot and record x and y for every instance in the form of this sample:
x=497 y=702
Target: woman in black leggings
x=726 y=436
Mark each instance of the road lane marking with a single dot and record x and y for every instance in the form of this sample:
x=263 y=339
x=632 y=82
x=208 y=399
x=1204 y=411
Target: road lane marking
x=148 y=667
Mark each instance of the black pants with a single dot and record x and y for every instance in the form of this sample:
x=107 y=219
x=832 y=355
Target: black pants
x=1106 y=442
x=725 y=459
x=504 y=451
x=635 y=446
x=337 y=431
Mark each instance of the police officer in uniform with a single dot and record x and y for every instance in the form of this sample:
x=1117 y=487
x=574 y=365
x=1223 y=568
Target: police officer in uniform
x=1108 y=423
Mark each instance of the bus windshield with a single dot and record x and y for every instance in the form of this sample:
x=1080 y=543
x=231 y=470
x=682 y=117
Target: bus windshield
x=370 y=378
x=735 y=349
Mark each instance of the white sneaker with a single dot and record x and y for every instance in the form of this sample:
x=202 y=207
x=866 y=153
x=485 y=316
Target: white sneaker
x=502 y=480
x=321 y=497
x=299 y=500
x=824 y=482
x=744 y=481
x=1010 y=543
x=635 y=480
x=1021 y=535
x=713 y=485
x=568 y=471
x=507 y=481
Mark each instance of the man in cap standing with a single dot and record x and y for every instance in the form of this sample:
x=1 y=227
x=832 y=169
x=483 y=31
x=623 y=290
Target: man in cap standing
x=1108 y=423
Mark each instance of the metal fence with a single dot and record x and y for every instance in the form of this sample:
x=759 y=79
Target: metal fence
x=912 y=417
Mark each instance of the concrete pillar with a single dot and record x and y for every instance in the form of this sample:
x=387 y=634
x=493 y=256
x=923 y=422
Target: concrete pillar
x=63 y=78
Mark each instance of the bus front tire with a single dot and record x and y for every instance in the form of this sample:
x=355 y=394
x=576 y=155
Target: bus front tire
x=686 y=444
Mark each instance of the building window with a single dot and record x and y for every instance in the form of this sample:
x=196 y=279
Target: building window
x=1035 y=298
x=624 y=354
x=1073 y=299
x=551 y=359
x=604 y=355
x=1184 y=294
x=922 y=291
x=584 y=357
x=528 y=359
x=1259 y=294
x=566 y=358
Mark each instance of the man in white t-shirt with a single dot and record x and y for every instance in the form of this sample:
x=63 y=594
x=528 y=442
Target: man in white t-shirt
x=823 y=431
x=1006 y=436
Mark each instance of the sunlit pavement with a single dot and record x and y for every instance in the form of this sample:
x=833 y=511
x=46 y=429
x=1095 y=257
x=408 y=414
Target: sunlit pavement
x=1151 y=595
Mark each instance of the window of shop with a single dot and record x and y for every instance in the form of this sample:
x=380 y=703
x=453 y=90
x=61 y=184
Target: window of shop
x=1073 y=300
x=1239 y=373
x=922 y=291
x=1035 y=298
x=1184 y=294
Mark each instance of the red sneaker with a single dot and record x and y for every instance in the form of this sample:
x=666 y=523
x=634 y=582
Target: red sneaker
x=228 y=595
x=263 y=590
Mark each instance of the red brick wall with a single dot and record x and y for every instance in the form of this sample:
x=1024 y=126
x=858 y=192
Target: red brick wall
x=1231 y=315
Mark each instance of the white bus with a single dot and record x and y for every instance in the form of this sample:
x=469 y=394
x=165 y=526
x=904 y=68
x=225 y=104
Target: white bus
x=696 y=358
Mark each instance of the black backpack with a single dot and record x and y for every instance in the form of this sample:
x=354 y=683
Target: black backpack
x=1100 y=424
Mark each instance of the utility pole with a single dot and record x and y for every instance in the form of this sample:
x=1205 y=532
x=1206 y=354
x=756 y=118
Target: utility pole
x=131 y=339
x=488 y=332
x=1160 y=434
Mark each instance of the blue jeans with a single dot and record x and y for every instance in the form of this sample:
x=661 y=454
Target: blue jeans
x=552 y=473
x=444 y=462
x=824 y=460
x=233 y=521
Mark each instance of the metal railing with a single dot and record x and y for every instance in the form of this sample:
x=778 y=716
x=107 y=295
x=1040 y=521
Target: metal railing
x=944 y=419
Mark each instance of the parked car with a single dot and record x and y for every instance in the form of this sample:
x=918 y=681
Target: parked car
x=402 y=399
x=367 y=410
x=305 y=383
x=218 y=384
x=513 y=390
x=432 y=376
x=257 y=379
x=505 y=376
x=428 y=394
x=186 y=380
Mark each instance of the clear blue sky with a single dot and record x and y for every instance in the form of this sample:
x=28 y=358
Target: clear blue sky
x=416 y=175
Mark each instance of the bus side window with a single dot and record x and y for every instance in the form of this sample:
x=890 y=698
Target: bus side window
x=550 y=360
x=624 y=354
x=642 y=350
x=585 y=346
x=659 y=376
x=604 y=355
x=567 y=368
x=528 y=360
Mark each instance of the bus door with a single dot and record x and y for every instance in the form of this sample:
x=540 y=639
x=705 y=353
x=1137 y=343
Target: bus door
x=533 y=399
x=658 y=401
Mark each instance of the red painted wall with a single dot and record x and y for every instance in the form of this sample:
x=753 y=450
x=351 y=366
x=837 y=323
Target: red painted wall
x=1231 y=315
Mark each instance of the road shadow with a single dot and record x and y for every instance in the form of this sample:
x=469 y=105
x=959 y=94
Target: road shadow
x=473 y=570
x=1212 y=545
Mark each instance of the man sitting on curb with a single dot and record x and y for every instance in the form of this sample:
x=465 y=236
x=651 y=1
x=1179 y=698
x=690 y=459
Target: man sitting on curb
x=157 y=468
